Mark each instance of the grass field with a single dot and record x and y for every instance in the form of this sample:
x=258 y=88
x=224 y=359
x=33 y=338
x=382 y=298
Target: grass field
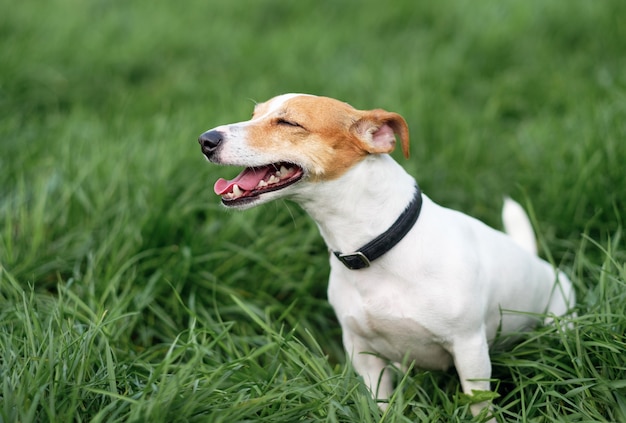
x=128 y=294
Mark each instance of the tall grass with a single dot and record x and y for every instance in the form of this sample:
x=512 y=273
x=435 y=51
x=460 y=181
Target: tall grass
x=128 y=294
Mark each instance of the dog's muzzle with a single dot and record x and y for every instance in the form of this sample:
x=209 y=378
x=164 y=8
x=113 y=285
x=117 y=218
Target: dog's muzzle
x=210 y=141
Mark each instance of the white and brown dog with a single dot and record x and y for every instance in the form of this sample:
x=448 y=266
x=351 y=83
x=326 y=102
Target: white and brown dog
x=409 y=279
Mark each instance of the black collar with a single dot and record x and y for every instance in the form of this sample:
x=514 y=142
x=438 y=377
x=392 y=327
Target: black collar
x=387 y=240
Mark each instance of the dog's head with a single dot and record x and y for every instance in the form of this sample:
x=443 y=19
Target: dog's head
x=294 y=138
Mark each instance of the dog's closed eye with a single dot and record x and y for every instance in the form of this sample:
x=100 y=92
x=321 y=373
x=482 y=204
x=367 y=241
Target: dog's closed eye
x=282 y=121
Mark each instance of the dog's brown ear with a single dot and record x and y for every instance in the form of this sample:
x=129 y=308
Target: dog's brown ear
x=378 y=129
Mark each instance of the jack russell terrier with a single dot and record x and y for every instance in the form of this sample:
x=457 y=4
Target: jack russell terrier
x=409 y=279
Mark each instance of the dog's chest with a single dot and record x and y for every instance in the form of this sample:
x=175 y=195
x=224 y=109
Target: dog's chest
x=386 y=323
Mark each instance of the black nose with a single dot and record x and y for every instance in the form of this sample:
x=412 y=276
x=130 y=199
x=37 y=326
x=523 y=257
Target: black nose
x=210 y=140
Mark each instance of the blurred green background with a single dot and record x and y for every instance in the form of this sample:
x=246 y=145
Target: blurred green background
x=127 y=293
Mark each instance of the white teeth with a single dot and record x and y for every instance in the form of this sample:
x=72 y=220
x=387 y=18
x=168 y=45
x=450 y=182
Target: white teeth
x=273 y=179
x=236 y=191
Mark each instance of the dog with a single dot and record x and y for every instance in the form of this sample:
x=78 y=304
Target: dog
x=410 y=279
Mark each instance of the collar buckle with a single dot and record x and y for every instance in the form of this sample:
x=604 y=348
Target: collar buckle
x=353 y=261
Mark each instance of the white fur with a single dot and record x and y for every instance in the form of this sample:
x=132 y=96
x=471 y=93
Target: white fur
x=440 y=296
x=518 y=226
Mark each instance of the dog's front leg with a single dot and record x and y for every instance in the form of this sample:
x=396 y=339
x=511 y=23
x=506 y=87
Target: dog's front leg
x=376 y=376
x=472 y=362
x=371 y=368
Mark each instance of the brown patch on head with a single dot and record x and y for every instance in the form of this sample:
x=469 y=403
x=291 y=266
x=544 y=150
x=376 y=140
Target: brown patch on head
x=324 y=136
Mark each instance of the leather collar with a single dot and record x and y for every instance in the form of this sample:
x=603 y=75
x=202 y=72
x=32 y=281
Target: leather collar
x=384 y=242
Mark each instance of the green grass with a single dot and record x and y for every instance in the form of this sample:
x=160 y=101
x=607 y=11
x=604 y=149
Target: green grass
x=128 y=294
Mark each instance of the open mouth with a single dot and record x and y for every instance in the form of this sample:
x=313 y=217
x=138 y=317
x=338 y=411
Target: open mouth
x=254 y=181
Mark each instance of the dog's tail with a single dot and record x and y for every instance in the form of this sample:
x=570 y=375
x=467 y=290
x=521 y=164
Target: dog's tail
x=517 y=225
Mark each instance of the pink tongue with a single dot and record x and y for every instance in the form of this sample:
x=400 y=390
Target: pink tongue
x=246 y=180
